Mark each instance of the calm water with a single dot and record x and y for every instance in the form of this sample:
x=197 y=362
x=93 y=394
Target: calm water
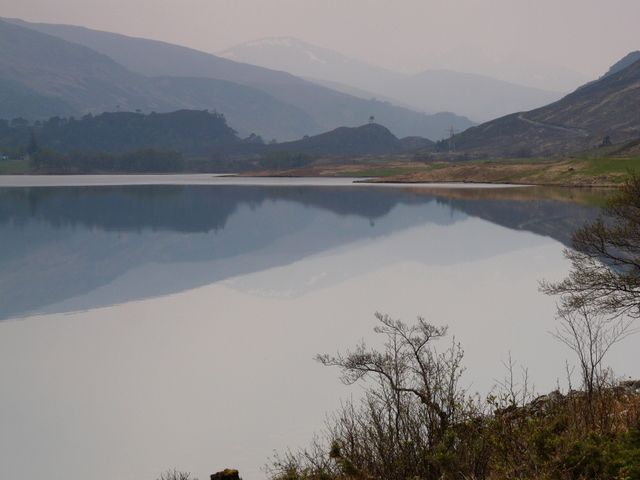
x=146 y=327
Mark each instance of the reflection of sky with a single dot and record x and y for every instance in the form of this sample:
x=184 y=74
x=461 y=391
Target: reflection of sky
x=214 y=367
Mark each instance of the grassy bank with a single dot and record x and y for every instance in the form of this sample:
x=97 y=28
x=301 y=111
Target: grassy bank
x=14 y=167
x=579 y=172
x=565 y=172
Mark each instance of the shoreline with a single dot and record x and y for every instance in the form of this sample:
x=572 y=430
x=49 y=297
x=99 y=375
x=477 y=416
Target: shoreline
x=473 y=182
x=567 y=172
x=585 y=172
x=458 y=182
x=96 y=180
x=29 y=180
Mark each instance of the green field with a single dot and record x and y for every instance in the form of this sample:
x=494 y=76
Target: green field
x=579 y=170
x=8 y=167
x=611 y=165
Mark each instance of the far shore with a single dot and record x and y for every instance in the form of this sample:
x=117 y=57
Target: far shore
x=88 y=180
x=587 y=172
x=571 y=172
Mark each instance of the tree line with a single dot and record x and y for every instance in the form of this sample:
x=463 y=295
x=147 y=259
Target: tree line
x=147 y=160
x=186 y=131
x=186 y=140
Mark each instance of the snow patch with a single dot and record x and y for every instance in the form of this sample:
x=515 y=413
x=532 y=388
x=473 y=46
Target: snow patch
x=314 y=58
x=271 y=42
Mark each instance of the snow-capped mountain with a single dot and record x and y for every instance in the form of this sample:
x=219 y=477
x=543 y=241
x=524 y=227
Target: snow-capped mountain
x=478 y=97
x=311 y=61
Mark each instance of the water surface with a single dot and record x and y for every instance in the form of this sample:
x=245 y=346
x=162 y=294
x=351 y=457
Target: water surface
x=152 y=326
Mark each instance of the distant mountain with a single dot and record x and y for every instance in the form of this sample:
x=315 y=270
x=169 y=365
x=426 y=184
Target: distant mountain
x=609 y=107
x=43 y=76
x=370 y=139
x=248 y=110
x=478 y=97
x=18 y=100
x=326 y=108
x=76 y=75
x=519 y=69
x=356 y=92
x=316 y=63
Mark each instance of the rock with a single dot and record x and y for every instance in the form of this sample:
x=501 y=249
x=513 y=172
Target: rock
x=631 y=385
x=226 y=474
x=545 y=403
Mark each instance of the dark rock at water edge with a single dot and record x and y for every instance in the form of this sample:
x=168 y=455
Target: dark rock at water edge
x=226 y=474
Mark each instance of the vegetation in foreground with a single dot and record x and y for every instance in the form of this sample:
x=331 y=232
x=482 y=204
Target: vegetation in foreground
x=415 y=420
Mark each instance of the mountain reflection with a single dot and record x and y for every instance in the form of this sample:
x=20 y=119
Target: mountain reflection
x=62 y=242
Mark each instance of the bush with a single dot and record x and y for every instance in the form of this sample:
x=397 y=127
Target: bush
x=415 y=422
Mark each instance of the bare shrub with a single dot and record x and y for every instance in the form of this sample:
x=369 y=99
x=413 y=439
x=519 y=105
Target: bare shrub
x=175 y=475
x=411 y=419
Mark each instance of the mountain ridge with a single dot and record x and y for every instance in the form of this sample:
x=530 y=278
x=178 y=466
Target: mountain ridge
x=477 y=96
x=83 y=81
x=327 y=108
x=624 y=62
x=604 y=110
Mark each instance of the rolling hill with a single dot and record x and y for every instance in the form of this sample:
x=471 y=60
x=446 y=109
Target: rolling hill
x=609 y=106
x=370 y=139
x=326 y=108
x=194 y=133
x=479 y=97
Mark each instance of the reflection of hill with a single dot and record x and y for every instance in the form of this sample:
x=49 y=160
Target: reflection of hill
x=543 y=217
x=577 y=196
x=206 y=208
x=552 y=212
x=181 y=209
x=59 y=243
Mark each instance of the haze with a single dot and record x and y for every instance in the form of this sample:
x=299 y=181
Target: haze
x=515 y=40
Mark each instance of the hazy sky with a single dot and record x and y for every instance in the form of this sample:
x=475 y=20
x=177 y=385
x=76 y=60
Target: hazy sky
x=581 y=35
